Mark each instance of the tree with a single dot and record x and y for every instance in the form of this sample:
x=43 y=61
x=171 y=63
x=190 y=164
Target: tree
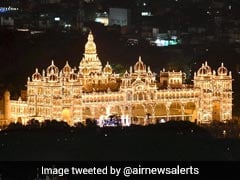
x=33 y=124
x=78 y=125
x=118 y=68
x=15 y=126
x=54 y=124
x=91 y=123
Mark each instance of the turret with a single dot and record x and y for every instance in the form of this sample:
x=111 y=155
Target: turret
x=7 y=108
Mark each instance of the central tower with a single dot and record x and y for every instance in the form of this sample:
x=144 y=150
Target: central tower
x=90 y=62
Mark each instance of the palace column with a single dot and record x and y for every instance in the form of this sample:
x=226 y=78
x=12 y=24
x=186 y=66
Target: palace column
x=7 y=107
x=168 y=110
x=182 y=110
x=92 y=109
x=153 y=114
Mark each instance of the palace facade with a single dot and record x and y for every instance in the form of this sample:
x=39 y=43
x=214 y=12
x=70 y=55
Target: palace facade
x=95 y=91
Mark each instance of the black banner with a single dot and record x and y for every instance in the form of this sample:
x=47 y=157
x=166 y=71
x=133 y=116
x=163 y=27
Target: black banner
x=110 y=169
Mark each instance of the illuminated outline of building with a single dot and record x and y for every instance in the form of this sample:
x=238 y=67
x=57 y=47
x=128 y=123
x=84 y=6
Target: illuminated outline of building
x=94 y=92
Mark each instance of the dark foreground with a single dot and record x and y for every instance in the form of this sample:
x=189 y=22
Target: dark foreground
x=172 y=141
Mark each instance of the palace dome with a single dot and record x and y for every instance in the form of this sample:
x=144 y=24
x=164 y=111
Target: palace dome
x=222 y=71
x=52 y=69
x=66 y=69
x=208 y=68
x=107 y=69
x=36 y=76
x=90 y=46
x=204 y=70
x=139 y=66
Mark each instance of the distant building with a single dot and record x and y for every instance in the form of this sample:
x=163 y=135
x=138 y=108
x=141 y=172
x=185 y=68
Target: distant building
x=94 y=91
x=6 y=21
x=102 y=18
x=7 y=13
x=50 y=1
x=119 y=16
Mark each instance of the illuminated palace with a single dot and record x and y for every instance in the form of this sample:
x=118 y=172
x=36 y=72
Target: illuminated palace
x=136 y=96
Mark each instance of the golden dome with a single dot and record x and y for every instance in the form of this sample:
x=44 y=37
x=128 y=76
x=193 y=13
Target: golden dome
x=208 y=69
x=52 y=73
x=52 y=69
x=67 y=69
x=90 y=46
x=36 y=76
x=140 y=66
x=222 y=71
x=107 y=69
x=204 y=70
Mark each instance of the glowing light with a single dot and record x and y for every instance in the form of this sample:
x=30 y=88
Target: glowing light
x=146 y=14
x=57 y=19
x=67 y=25
x=162 y=120
x=66 y=114
x=6 y=9
x=23 y=29
x=103 y=20
x=161 y=42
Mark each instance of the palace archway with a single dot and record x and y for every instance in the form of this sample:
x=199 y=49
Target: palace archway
x=190 y=111
x=138 y=113
x=175 y=111
x=160 y=111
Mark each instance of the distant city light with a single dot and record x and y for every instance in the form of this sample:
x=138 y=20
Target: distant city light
x=23 y=29
x=36 y=32
x=146 y=14
x=163 y=43
x=67 y=25
x=57 y=18
x=103 y=20
x=6 y=9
